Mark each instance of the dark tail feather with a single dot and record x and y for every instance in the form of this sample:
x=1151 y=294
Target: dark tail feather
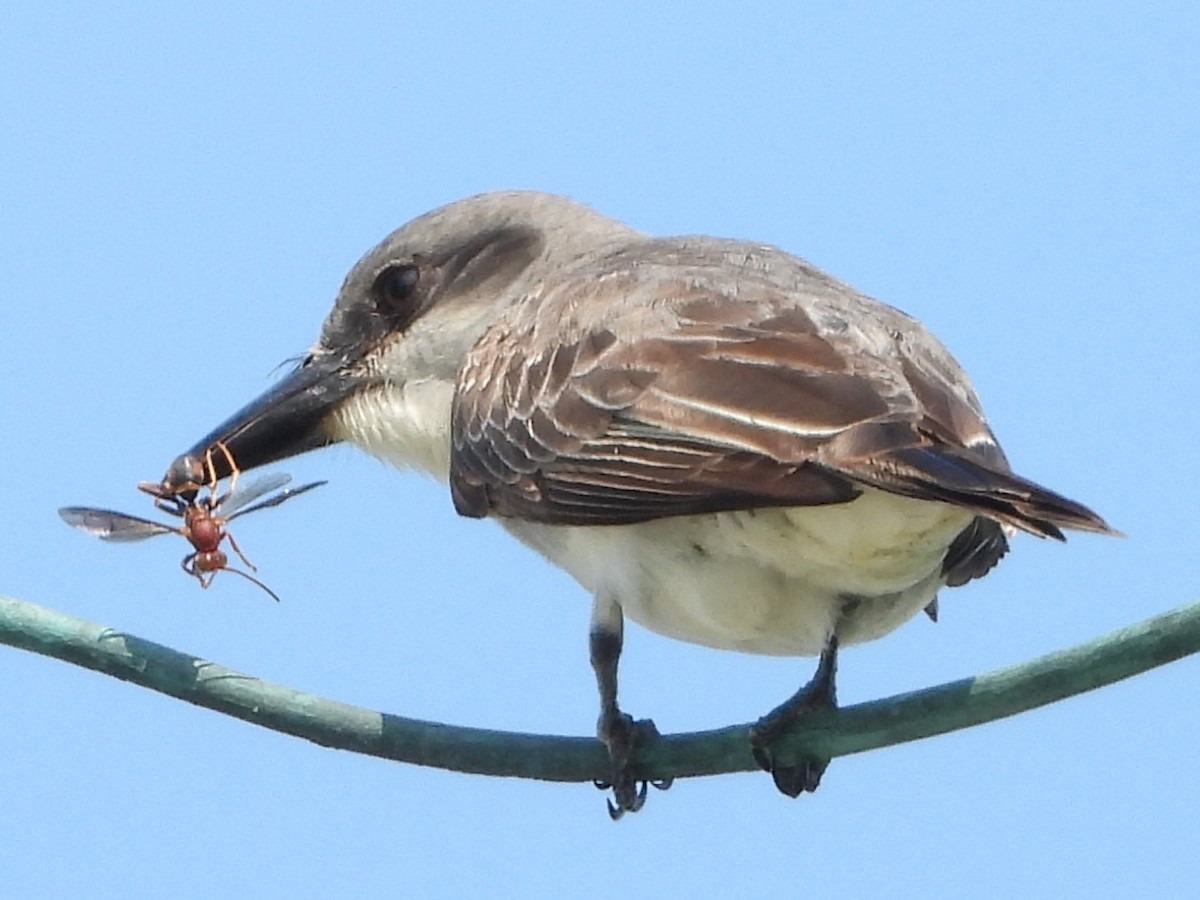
x=935 y=473
x=975 y=551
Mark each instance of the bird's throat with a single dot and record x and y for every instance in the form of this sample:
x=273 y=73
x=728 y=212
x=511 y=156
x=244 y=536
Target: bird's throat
x=407 y=425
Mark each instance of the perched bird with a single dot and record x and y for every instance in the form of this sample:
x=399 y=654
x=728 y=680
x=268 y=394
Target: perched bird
x=712 y=436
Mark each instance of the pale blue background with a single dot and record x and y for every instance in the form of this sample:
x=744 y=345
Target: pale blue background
x=180 y=196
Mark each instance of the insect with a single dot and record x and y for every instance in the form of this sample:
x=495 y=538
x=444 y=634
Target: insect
x=204 y=517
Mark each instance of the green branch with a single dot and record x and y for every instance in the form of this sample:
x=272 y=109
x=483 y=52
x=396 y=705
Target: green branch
x=852 y=729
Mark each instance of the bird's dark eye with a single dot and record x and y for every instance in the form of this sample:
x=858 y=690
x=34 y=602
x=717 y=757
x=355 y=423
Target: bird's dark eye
x=394 y=287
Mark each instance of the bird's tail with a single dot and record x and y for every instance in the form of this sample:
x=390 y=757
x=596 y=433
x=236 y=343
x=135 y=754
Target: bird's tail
x=940 y=473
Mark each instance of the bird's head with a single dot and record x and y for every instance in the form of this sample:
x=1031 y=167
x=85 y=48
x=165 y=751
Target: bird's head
x=406 y=315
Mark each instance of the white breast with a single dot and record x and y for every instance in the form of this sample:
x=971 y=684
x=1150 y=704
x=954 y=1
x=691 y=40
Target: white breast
x=773 y=581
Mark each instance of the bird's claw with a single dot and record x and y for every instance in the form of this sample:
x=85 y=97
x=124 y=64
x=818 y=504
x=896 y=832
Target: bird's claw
x=622 y=735
x=634 y=799
x=805 y=775
x=792 y=780
x=629 y=794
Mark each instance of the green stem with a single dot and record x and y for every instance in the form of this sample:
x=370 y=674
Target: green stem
x=852 y=729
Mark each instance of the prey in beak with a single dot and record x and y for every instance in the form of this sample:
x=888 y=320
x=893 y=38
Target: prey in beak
x=204 y=520
x=286 y=420
x=715 y=438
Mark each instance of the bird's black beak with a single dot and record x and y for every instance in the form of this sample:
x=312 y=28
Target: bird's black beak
x=286 y=420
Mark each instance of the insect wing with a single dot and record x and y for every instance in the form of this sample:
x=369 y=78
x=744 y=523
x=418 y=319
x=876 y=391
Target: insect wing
x=109 y=525
x=274 y=501
x=251 y=492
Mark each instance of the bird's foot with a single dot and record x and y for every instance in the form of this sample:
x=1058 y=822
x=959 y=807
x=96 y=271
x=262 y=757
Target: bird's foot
x=622 y=735
x=792 y=779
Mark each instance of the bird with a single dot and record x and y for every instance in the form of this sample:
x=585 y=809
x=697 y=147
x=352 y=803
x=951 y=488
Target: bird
x=716 y=439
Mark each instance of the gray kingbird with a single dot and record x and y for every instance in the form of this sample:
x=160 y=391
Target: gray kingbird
x=712 y=436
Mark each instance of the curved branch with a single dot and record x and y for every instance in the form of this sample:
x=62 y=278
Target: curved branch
x=852 y=729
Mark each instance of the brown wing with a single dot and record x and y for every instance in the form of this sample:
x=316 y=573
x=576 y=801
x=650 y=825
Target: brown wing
x=682 y=389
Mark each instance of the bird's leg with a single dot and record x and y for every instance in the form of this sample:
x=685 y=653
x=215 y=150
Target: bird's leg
x=620 y=733
x=820 y=693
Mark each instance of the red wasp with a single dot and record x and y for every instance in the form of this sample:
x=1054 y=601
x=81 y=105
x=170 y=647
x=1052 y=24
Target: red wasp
x=204 y=518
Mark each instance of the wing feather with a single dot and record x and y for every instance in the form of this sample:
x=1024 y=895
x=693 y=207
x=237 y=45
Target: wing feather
x=663 y=385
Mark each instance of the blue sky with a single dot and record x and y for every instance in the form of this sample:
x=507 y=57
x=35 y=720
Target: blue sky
x=181 y=194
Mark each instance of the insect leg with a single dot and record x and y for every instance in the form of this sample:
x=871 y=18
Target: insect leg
x=238 y=551
x=250 y=577
x=234 y=471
